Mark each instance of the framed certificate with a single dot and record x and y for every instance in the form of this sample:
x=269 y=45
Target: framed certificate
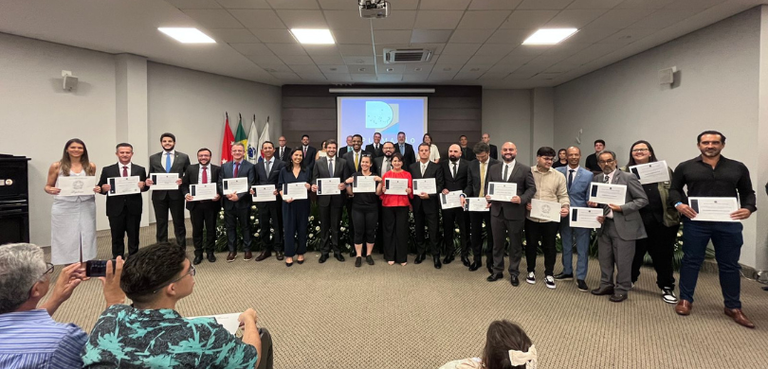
x=476 y=204
x=451 y=200
x=424 y=185
x=396 y=186
x=545 y=210
x=201 y=192
x=76 y=186
x=606 y=193
x=364 y=184
x=651 y=172
x=328 y=186
x=502 y=191
x=265 y=193
x=585 y=217
x=296 y=191
x=164 y=181
x=235 y=185
x=713 y=209
x=120 y=186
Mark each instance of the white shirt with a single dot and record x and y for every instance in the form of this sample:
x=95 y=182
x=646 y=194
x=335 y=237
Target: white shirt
x=450 y=167
x=200 y=173
x=511 y=167
x=120 y=168
x=423 y=167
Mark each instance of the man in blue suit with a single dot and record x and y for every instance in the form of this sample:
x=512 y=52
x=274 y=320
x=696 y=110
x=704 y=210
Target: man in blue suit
x=577 y=181
x=237 y=206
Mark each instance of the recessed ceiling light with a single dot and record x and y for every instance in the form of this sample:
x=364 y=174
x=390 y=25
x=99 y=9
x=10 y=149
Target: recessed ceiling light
x=417 y=69
x=187 y=35
x=549 y=36
x=313 y=36
x=390 y=69
x=361 y=69
x=334 y=69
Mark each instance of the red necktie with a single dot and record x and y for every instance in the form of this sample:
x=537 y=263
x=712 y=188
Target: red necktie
x=205 y=175
x=237 y=167
x=125 y=171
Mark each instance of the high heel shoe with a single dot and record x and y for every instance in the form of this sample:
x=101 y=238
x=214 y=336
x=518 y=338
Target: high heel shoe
x=300 y=261
x=288 y=263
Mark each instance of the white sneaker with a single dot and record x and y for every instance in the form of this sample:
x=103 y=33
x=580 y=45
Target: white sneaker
x=668 y=295
x=531 y=278
x=550 y=281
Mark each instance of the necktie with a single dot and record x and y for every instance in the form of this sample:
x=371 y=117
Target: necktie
x=454 y=170
x=402 y=149
x=356 y=162
x=388 y=163
x=607 y=210
x=482 y=179
x=167 y=162
x=237 y=168
x=305 y=151
x=377 y=147
x=125 y=171
x=205 y=175
x=607 y=179
x=570 y=178
x=506 y=171
x=269 y=167
x=282 y=151
x=330 y=167
x=423 y=169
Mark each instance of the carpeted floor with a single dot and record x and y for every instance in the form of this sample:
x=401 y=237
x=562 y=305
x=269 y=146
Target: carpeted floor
x=334 y=315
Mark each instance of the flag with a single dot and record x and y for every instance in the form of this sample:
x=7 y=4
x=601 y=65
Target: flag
x=240 y=136
x=254 y=145
x=264 y=136
x=226 y=145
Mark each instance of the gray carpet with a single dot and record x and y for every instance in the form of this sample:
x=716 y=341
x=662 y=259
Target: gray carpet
x=334 y=315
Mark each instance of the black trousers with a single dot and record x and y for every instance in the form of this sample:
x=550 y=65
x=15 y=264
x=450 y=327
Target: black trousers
x=477 y=218
x=430 y=219
x=121 y=225
x=161 y=217
x=660 y=244
x=204 y=219
x=351 y=224
x=451 y=219
x=379 y=244
x=546 y=233
x=330 y=222
x=365 y=225
x=501 y=228
x=395 y=233
x=270 y=218
x=232 y=218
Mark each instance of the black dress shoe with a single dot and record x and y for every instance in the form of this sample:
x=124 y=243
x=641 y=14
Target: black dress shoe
x=448 y=259
x=514 y=281
x=264 y=254
x=280 y=255
x=618 y=297
x=603 y=291
x=438 y=265
x=564 y=277
x=323 y=258
x=494 y=277
x=475 y=266
x=358 y=261
x=420 y=258
x=465 y=260
x=369 y=260
x=489 y=267
x=338 y=256
x=198 y=259
x=211 y=257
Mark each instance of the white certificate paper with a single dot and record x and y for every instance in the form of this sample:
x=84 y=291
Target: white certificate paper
x=585 y=217
x=714 y=209
x=396 y=186
x=364 y=184
x=545 y=210
x=476 y=204
x=651 y=172
x=296 y=191
x=606 y=193
x=451 y=200
x=230 y=322
x=328 y=186
x=164 y=181
x=76 y=186
x=200 y=192
x=265 y=193
x=235 y=185
x=123 y=186
x=425 y=185
x=502 y=191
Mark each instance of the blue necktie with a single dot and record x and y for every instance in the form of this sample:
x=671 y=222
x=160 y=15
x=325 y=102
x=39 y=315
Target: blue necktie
x=167 y=162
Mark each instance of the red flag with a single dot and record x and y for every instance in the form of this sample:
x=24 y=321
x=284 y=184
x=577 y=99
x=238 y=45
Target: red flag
x=226 y=145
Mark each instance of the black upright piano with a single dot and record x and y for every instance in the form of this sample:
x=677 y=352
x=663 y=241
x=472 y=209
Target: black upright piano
x=14 y=199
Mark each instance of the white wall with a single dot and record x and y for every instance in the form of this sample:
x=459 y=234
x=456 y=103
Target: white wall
x=718 y=89
x=507 y=117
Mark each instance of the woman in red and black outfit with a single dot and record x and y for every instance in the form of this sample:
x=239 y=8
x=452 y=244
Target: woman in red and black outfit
x=395 y=214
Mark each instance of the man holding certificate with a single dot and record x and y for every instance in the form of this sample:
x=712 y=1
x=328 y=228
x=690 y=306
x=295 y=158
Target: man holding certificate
x=237 y=200
x=124 y=203
x=168 y=163
x=455 y=176
x=622 y=225
x=709 y=176
x=328 y=178
x=508 y=217
x=425 y=204
x=267 y=174
x=549 y=204
x=202 y=213
x=477 y=186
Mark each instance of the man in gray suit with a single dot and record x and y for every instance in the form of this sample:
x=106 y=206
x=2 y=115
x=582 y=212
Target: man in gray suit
x=622 y=225
x=169 y=161
x=509 y=217
x=330 y=206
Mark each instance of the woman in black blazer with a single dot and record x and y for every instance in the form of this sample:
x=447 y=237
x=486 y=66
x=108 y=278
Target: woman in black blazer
x=295 y=212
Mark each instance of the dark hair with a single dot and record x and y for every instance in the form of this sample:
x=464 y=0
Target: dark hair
x=289 y=167
x=267 y=142
x=425 y=144
x=147 y=270
x=465 y=136
x=481 y=147
x=650 y=148
x=561 y=150
x=358 y=135
x=425 y=136
x=599 y=141
x=377 y=133
x=329 y=142
x=65 y=163
x=166 y=134
x=710 y=132
x=501 y=337
x=388 y=142
x=205 y=149
x=399 y=156
x=123 y=144
x=400 y=133
x=545 y=151
x=302 y=137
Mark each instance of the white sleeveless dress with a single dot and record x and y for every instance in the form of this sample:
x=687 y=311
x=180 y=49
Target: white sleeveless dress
x=73 y=218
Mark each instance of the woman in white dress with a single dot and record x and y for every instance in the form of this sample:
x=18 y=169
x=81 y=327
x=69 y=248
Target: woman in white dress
x=73 y=218
x=434 y=155
x=322 y=153
x=506 y=347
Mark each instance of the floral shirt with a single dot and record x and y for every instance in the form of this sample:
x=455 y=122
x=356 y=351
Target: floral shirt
x=127 y=337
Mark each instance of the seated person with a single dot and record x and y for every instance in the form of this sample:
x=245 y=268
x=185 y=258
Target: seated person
x=29 y=338
x=151 y=334
x=506 y=347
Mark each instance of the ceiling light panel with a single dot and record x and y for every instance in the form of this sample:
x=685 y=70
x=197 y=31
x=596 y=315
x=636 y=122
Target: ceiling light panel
x=549 y=36
x=187 y=35
x=313 y=36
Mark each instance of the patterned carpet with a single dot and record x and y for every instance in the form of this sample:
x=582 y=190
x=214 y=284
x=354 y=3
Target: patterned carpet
x=334 y=315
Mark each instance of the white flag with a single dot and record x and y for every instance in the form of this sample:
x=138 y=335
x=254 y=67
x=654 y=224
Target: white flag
x=264 y=135
x=254 y=145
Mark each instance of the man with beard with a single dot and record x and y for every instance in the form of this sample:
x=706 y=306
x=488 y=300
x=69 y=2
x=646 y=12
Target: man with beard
x=169 y=161
x=508 y=217
x=477 y=186
x=202 y=213
x=382 y=165
x=375 y=148
x=267 y=173
x=309 y=153
x=329 y=206
x=406 y=150
x=426 y=207
x=455 y=179
x=712 y=175
x=352 y=159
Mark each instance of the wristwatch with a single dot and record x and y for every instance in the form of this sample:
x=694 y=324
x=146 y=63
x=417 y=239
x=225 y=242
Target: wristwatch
x=678 y=204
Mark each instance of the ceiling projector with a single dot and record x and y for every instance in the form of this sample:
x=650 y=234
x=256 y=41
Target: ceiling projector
x=373 y=9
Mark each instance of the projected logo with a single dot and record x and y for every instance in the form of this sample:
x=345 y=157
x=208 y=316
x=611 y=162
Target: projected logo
x=380 y=115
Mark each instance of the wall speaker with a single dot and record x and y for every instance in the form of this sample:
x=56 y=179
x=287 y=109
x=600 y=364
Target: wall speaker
x=70 y=83
x=667 y=76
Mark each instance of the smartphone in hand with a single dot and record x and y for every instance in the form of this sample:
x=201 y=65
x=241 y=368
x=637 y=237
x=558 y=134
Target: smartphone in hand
x=97 y=268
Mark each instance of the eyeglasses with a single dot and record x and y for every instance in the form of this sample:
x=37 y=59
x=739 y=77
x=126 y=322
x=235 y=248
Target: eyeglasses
x=48 y=269
x=640 y=150
x=609 y=161
x=191 y=272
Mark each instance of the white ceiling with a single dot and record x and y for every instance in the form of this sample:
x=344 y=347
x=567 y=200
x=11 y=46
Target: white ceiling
x=474 y=41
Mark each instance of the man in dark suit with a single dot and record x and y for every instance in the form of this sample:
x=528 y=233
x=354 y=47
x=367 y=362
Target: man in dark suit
x=202 y=213
x=508 y=217
x=169 y=161
x=330 y=206
x=309 y=153
x=345 y=149
x=382 y=165
x=353 y=158
x=494 y=151
x=426 y=207
x=406 y=150
x=466 y=150
x=375 y=148
x=267 y=173
x=123 y=211
x=455 y=179
x=622 y=225
x=283 y=152
x=477 y=186
x=591 y=162
x=237 y=206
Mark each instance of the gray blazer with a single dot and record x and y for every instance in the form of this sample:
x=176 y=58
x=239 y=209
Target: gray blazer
x=629 y=224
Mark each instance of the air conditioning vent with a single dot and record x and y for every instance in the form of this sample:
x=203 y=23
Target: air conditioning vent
x=392 y=56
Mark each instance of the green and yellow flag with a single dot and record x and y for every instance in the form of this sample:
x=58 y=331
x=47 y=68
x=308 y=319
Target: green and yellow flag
x=240 y=136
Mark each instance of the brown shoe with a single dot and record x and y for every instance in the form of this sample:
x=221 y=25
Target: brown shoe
x=683 y=307
x=738 y=317
x=248 y=256
x=231 y=257
x=264 y=254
